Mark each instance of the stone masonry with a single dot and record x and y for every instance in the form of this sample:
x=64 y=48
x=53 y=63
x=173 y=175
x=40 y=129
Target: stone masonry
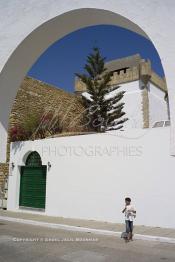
x=35 y=97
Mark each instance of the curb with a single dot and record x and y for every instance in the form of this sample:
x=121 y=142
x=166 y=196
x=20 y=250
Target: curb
x=87 y=230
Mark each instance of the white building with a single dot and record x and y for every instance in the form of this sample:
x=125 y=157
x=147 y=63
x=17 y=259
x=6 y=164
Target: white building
x=94 y=194
x=89 y=176
x=146 y=99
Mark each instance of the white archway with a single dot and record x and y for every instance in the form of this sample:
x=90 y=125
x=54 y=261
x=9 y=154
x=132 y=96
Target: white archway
x=52 y=30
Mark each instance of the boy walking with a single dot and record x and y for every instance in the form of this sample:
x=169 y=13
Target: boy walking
x=130 y=214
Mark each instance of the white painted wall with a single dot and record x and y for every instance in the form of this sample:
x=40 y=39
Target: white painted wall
x=26 y=31
x=157 y=105
x=133 y=105
x=92 y=174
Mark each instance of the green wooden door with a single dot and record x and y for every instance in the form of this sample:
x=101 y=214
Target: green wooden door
x=32 y=184
x=33 y=187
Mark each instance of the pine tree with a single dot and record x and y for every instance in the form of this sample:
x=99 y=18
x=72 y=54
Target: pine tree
x=103 y=103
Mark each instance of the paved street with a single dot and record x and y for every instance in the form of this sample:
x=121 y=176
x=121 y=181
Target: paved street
x=93 y=224
x=19 y=242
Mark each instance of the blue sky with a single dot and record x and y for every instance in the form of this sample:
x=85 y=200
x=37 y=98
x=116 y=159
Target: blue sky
x=59 y=63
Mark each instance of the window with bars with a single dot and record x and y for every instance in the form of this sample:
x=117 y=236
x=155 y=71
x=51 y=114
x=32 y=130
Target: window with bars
x=33 y=160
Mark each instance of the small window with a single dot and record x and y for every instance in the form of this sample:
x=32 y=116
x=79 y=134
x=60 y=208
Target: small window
x=167 y=123
x=34 y=159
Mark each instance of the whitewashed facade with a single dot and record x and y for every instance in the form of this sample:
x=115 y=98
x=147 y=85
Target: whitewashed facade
x=133 y=99
x=90 y=175
x=158 y=107
x=51 y=20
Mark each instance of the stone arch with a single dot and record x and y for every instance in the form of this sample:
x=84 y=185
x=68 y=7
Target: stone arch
x=37 y=42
